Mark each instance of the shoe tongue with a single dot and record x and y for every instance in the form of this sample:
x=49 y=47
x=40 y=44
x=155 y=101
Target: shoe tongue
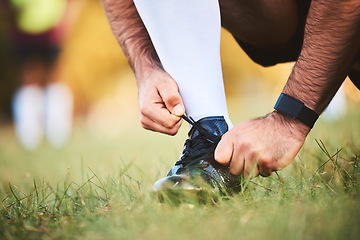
x=213 y=125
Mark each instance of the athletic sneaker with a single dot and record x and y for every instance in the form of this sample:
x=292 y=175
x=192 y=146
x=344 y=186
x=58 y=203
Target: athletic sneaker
x=197 y=168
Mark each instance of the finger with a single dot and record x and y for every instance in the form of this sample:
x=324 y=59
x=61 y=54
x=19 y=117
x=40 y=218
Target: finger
x=265 y=171
x=266 y=174
x=172 y=99
x=154 y=126
x=251 y=168
x=159 y=114
x=224 y=150
x=237 y=165
x=267 y=166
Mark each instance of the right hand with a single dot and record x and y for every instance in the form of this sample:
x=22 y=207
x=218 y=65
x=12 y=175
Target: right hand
x=161 y=106
x=261 y=146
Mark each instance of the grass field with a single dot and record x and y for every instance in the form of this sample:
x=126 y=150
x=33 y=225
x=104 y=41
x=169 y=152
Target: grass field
x=100 y=188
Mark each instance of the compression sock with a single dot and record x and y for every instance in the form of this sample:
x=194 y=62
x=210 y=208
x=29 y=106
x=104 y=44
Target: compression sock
x=186 y=36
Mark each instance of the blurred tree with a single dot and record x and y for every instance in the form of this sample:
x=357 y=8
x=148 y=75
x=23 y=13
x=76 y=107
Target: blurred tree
x=37 y=16
x=93 y=62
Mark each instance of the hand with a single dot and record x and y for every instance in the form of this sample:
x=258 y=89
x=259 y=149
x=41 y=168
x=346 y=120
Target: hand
x=271 y=143
x=161 y=106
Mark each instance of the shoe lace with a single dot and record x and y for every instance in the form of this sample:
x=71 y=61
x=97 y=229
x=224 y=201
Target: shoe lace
x=201 y=147
x=209 y=137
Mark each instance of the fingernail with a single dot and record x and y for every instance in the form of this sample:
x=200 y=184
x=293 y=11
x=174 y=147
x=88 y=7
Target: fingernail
x=178 y=110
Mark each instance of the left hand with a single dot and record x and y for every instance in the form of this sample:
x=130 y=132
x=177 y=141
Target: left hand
x=271 y=142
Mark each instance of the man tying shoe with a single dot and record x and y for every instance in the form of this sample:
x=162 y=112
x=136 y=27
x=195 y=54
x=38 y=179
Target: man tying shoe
x=173 y=47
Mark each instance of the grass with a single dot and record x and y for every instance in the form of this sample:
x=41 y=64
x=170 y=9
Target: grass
x=100 y=188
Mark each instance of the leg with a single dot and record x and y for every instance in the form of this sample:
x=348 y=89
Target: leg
x=261 y=23
x=58 y=103
x=186 y=36
x=270 y=32
x=27 y=103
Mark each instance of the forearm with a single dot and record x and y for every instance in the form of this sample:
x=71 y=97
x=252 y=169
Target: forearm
x=132 y=36
x=331 y=44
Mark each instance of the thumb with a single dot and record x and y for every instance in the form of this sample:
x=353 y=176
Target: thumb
x=172 y=99
x=224 y=151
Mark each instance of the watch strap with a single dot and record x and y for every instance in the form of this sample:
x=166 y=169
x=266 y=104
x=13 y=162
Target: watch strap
x=296 y=109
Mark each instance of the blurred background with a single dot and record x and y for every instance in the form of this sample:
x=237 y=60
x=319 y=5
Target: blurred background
x=62 y=71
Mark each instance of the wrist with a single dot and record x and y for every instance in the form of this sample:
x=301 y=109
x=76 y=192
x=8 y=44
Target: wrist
x=151 y=79
x=145 y=69
x=145 y=63
x=296 y=126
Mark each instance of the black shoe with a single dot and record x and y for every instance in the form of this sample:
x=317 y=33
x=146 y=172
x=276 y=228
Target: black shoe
x=197 y=169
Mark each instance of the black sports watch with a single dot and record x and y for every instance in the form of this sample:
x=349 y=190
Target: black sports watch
x=296 y=109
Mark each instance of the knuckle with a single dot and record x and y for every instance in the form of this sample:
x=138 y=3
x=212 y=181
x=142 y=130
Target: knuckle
x=169 y=124
x=142 y=119
x=254 y=155
x=169 y=93
x=172 y=99
x=144 y=124
x=245 y=146
x=144 y=109
x=233 y=170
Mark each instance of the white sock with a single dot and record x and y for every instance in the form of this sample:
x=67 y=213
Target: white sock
x=28 y=111
x=186 y=36
x=58 y=114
